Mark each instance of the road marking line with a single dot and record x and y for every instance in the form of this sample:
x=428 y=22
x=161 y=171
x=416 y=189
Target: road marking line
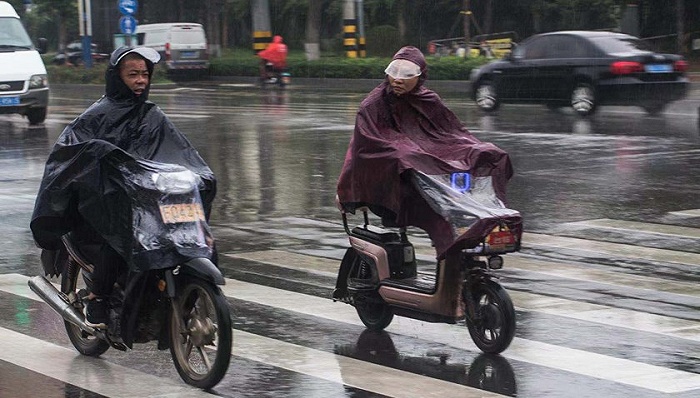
x=92 y=374
x=60 y=363
x=595 y=313
x=576 y=361
x=610 y=249
x=686 y=213
x=348 y=371
x=636 y=226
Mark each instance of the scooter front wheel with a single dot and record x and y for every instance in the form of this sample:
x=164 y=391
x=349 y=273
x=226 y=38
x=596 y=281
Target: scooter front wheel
x=492 y=327
x=200 y=340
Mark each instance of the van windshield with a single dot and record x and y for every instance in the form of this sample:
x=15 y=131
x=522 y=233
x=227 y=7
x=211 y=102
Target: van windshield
x=13 y=35
x=187 y=36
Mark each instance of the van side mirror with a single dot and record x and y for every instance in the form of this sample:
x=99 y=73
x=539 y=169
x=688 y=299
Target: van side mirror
x=42 y=45
x=140 y=37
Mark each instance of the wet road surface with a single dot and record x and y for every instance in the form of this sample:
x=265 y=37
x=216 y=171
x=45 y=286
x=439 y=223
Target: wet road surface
x=605 y=287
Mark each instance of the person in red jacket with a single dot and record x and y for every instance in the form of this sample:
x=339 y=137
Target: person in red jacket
x=275 y=54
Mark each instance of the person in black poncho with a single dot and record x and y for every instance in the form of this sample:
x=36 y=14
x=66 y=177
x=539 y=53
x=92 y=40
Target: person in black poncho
x=121 y=120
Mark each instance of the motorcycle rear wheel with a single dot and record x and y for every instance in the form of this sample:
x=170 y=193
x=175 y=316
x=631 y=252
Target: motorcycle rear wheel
x=85 y=343
x=493 y=327
x=200 y=342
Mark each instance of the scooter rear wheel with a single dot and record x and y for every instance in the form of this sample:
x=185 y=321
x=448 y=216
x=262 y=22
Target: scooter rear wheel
x=200 y=342
x=493 y=327
x=85 y=343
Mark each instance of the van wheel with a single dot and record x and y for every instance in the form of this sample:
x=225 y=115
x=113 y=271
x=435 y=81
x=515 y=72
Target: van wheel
x=583 y=99
x=36 y=115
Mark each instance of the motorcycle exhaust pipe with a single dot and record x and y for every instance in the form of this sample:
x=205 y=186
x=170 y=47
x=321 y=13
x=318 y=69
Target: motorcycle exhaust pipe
x=58 y=302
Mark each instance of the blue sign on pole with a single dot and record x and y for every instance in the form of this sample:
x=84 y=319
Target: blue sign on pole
x=127 y=24
x=128 y=7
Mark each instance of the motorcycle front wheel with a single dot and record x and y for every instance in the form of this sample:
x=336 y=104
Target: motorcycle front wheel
x=85 y=343
x=493 y=326
x=200 y=341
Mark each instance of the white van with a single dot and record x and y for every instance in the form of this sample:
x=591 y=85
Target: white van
x=24 y=87
x=182 y=46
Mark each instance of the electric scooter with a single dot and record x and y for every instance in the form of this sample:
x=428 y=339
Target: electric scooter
x=379 y=275
x=276 y=76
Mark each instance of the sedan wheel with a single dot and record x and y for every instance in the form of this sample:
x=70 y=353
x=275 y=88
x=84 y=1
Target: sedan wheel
x=583 y=99
x=654 y=109
x=486 y=97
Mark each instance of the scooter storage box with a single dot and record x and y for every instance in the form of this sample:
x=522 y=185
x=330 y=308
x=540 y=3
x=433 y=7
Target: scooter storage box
x=376 y=234
x=395 y=248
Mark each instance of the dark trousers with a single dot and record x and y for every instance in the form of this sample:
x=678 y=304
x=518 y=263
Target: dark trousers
x=108 y=266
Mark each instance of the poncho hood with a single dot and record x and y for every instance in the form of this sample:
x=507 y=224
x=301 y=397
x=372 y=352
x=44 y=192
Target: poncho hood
x=115 y=88
x=414 y=55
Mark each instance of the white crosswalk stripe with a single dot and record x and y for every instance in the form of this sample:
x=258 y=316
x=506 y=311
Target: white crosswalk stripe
x=379 y=379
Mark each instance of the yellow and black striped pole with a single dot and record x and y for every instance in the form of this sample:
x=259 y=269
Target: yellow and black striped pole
x=349 y=29
x=262 y=32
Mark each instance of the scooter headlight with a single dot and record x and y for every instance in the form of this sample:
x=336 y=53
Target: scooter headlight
x=460 y=182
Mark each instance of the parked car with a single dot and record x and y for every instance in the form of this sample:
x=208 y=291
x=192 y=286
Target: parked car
x=182 y=46
x=582 y=69
x=73 y=54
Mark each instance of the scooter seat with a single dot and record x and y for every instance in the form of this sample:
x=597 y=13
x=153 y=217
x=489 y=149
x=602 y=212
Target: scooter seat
x=376 y=234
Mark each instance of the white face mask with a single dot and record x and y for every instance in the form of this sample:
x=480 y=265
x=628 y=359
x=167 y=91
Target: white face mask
x=402 y=69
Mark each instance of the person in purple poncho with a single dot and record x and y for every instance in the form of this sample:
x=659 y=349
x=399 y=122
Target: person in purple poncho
x=402 y=125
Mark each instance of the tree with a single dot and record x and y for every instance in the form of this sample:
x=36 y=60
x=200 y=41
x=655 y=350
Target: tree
x=313 y=32
x=64 y=13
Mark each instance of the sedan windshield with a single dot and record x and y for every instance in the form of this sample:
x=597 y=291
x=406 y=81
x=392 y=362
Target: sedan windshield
x=622 y=45
x=13 y=35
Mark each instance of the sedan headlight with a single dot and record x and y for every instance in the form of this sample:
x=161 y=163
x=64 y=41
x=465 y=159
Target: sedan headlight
x=473 y=74
x=38 y=81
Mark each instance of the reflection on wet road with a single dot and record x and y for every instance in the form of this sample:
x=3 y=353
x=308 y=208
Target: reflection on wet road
x=605 y=287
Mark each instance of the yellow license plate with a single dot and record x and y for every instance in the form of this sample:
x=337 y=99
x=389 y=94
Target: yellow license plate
x=185 y=212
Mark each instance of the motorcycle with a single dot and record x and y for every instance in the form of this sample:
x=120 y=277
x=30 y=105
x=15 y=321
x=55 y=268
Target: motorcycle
x=379 y=273
x=180 y=303
x=276 y=76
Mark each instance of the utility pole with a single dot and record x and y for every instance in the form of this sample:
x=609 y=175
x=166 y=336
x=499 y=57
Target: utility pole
x=361 y=29
x=467 y=19
x=680 y=28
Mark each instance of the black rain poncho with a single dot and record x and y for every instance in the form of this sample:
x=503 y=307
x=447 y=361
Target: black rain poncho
x=77 y=186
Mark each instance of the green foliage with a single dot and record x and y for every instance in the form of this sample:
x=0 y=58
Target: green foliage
x=68 y=74
x=382 y=41
x=244 y=62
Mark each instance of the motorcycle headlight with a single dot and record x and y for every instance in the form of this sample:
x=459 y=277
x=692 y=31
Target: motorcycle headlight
x=176 y=182
x=38 y=81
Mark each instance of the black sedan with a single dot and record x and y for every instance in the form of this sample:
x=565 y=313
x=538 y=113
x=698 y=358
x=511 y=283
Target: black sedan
x=582 y=69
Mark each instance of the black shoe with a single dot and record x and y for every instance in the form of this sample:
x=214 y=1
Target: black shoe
x=97 y=313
